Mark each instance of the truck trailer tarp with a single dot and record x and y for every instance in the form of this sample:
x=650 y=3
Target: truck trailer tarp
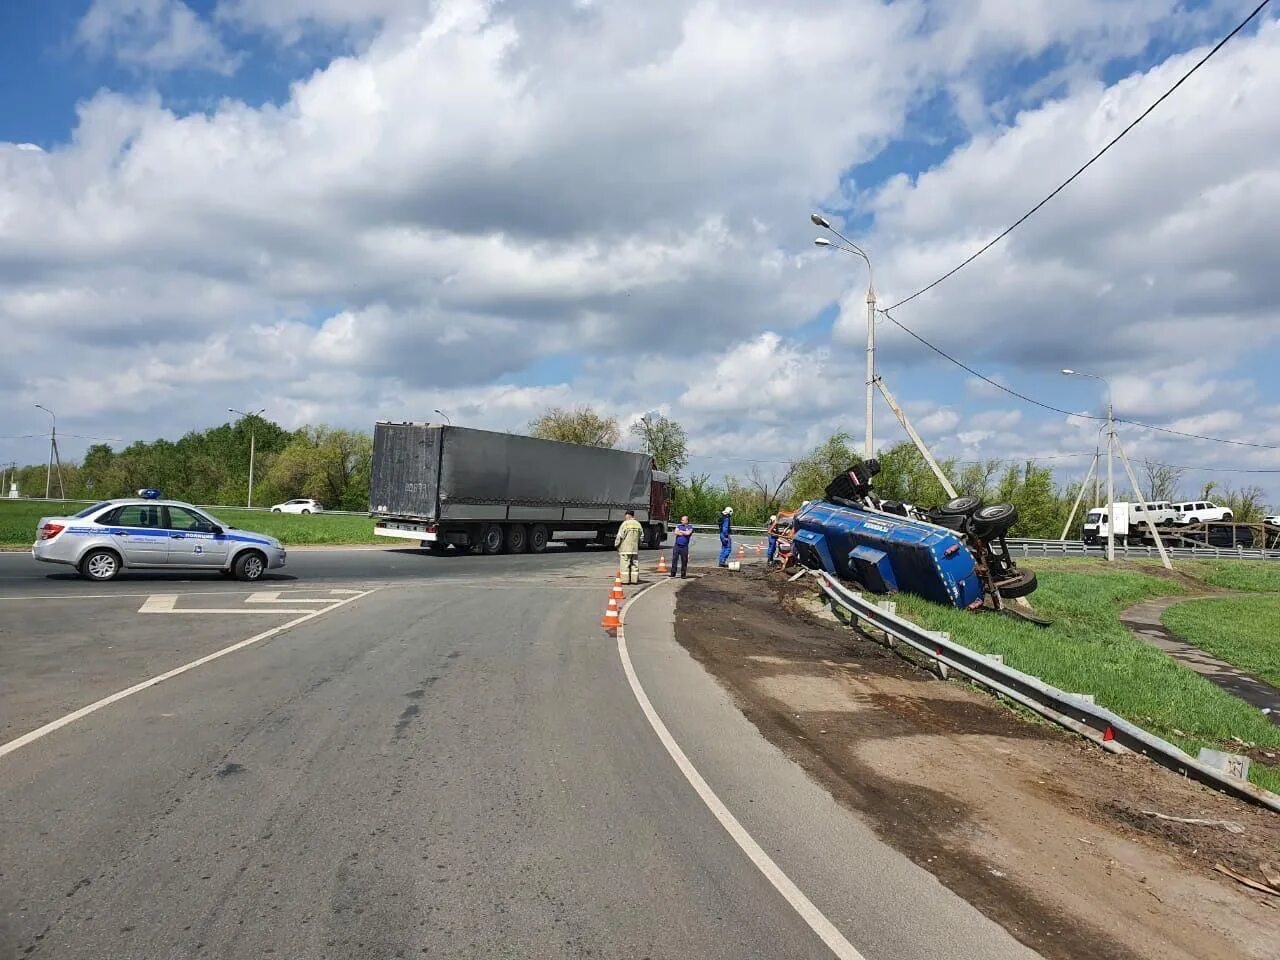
x=433 y=471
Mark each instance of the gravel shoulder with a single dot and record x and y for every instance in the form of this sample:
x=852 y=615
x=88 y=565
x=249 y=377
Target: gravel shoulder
x=1040 y=831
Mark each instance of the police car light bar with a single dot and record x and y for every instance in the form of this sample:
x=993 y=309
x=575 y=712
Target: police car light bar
x=150 y=493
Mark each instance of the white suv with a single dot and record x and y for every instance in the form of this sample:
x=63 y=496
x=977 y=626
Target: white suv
x=298 y=506
x=1200 y=511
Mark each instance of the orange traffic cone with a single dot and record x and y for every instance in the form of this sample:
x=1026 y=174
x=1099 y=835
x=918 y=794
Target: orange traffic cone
x=742 y=551
x=662 y=563
x=759 y=549
x=617 y=593
x=611 y=620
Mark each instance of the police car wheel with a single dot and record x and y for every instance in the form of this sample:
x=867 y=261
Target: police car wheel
x=100 y=565
x=305 y=510
x=250 y=566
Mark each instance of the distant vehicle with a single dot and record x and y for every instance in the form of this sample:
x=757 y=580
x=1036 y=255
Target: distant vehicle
x=149 y=534
x=1223 y=535
x=298 y=506
x=1133 y=521
x=1200 y=511
x=1272 y=521
x=505 y=493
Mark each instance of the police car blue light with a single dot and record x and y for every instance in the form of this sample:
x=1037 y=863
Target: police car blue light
x=149 y=533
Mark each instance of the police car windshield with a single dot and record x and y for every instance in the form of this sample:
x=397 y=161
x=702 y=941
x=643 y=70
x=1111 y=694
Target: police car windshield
x=89 y=511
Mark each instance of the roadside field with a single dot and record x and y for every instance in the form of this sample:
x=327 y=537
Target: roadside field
x=18 y=519
x=1088 y=650
x=1243 y=631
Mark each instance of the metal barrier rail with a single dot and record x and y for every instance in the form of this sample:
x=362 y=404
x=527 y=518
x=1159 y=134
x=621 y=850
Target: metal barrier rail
x=1075 y=548
x=1073 y=711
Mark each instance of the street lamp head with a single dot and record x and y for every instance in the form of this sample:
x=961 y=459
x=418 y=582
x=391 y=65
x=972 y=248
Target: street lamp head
x=819 y=221
x=823 y=242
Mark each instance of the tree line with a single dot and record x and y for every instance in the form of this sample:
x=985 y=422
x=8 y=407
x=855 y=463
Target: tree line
x=333 y=465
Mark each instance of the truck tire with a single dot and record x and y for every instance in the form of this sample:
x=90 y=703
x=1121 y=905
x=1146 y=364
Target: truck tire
x=517 y=538
x=492 y=539
x=994 y=520
x=437 y=548
x=961 y=506
x=1021 y=585
x=538 y=537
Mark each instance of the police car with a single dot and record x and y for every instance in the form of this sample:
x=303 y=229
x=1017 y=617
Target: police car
x=148 y=533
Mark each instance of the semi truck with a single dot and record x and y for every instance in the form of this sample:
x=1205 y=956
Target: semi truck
x=443 y=486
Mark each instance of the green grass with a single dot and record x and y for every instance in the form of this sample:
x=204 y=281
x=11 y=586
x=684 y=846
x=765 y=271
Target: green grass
x=1251 y=576
x=1087 y=650
x=18 y=520
x=1243 y=631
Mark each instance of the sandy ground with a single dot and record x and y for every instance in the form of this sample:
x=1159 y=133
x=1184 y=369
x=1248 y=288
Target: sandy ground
x=1038 y=829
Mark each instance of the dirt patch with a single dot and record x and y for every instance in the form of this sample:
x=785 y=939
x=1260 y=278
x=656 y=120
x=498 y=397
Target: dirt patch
x=1038 y=829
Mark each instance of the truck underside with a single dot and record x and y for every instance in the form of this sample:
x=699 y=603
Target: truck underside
x=512 y=536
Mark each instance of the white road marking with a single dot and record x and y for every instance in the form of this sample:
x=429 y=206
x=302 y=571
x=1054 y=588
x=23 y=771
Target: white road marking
x=97 y=705
x=802 y=905
x=273 y=596
x=168 y=603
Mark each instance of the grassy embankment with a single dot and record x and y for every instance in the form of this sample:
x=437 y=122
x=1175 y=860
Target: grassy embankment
x=18 y=520
x=1087 y=650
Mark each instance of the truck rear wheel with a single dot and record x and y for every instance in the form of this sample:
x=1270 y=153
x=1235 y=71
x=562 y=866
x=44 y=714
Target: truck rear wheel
x=538 y=537
x=517 y=538
x=492 y=539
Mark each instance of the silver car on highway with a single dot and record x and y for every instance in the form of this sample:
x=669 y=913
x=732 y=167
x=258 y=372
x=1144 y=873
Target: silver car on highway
x=144 y=533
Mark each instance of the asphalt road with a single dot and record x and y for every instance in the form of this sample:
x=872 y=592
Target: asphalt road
x=451 y=764
x=19 y=572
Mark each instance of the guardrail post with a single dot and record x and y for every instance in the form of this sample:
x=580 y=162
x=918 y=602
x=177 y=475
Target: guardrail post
x=943 y=671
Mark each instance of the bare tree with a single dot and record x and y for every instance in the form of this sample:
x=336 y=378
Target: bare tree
x=1162 y=480
x=769 y=486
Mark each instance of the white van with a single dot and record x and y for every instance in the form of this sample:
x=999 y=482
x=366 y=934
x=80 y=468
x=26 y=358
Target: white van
x=1200 y=511
x=1132 y=521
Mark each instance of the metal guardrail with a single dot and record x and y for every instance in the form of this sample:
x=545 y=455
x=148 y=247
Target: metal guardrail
x=1075 y=548
x=1073 y=711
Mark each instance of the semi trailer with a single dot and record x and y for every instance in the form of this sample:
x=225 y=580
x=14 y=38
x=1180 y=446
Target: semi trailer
x=443 y=486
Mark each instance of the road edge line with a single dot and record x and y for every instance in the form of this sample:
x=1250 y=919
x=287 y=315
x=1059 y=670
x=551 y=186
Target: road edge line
x=810 y=914
x=43 y=731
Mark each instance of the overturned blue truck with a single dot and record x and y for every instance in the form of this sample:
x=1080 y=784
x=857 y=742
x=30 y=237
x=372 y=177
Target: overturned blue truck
x=955 y=554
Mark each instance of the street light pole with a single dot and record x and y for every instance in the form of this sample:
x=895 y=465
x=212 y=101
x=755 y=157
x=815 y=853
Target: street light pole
x=252 y=444
x=853 y=248
x=53 y=456
x=448 y=418
x=1111 y=447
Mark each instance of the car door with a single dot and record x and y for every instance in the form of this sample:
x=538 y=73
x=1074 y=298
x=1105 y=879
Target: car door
x=137 y=529
x=192 y=540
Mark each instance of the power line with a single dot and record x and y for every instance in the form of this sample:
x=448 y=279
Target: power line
x=1070 y=413
x=1090 y=162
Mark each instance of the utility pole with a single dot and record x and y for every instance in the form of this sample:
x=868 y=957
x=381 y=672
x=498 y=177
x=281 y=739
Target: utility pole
x=870 y=447
x=1111 y=490
x=251 y=417
x=54 y=456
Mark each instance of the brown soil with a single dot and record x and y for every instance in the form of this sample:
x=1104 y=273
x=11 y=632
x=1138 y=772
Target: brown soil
x=1038 y=829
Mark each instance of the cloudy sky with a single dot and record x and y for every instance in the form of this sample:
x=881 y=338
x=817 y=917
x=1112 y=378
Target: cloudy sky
x=343 y=211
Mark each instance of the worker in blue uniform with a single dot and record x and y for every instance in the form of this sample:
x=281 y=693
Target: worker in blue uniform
x=726 y=535
x=773 y=540
x=680 y=552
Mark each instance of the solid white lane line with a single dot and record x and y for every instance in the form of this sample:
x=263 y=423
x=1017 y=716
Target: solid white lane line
x=97 y=705
x=802 y=905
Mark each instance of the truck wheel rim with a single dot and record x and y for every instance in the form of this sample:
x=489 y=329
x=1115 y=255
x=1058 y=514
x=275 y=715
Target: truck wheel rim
x=101 y=566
